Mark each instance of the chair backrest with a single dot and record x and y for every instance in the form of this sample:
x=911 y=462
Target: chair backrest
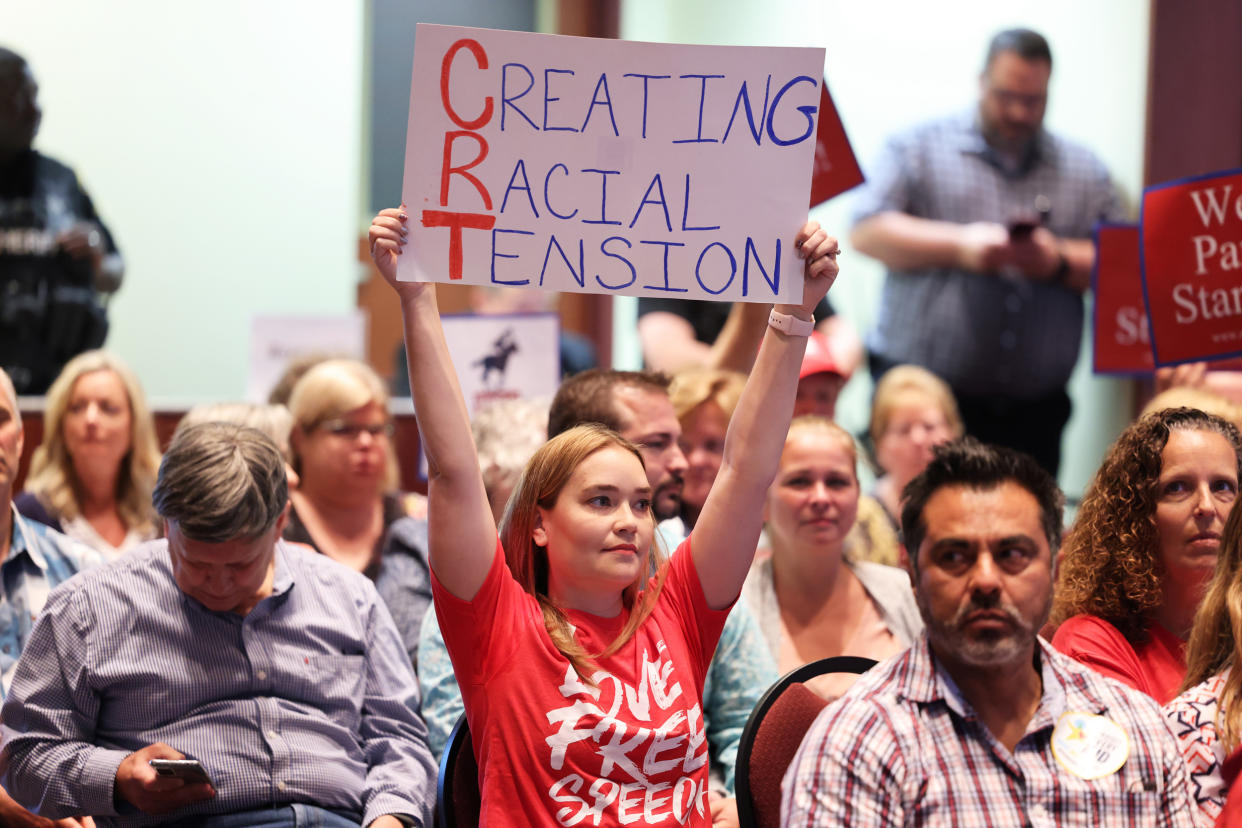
x=772 y=736
x=457 y=790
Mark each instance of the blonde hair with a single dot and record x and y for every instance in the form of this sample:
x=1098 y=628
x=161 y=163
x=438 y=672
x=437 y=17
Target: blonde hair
x=871 y=540
x=696 y=386
x=1202 y=399
x=1216 y=635
x=901 y=380
x=10 y=392
x=506 y=434
x=52 y=476
x=540 y=485
x=273 y=420
x=818 y=422
x=332 y=389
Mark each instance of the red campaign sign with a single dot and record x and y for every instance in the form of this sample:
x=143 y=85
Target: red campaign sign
x=1122 y=345
x=836 y=169
x=1192 y=267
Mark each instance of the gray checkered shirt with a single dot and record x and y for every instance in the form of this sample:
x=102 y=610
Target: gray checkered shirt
x=983 y=333
x=904 y=747
x=309 y=698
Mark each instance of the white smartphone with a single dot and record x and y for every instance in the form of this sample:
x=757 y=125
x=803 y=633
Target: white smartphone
x=188 y=769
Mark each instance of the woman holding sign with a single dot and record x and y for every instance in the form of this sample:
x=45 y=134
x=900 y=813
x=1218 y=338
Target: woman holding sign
x=581 y=672
x=1145 y=542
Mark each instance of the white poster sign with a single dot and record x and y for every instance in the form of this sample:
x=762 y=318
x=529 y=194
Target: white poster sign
x=504 y=357
x=609 y=166
x=275 y=340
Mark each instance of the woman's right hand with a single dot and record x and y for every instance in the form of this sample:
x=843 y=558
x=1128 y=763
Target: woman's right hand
x=388 y=236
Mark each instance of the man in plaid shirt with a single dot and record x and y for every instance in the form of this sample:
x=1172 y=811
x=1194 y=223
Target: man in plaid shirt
x=981 y=723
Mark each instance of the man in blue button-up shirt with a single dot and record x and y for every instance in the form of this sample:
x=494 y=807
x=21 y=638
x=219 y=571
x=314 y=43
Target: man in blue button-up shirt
x=983 y=220
x=278 y=669
x=33 y=560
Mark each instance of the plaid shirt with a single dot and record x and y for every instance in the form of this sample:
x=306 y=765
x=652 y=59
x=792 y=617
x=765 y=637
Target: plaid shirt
x=983 y=333
x=903 y=747
x=39 y=559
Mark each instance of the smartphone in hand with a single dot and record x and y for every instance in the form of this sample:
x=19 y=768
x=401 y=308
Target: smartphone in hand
x=1021 y=230
x=191 y=770
x=1023 y=225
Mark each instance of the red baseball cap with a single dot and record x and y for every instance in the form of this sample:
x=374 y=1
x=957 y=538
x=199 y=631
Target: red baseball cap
x=818 y=358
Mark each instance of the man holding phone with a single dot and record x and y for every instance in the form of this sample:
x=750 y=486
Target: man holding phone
x=272 y=677
x=984 y=222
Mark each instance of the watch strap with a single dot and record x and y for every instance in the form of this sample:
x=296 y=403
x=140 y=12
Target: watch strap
x=791 y=325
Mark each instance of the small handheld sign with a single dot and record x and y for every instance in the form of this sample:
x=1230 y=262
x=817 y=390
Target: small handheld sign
x=1121 y=341
x=607 y=166
x=1192 y=267
x=836 y=167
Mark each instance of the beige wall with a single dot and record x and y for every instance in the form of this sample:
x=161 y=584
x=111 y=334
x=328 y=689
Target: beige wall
x=221 y=143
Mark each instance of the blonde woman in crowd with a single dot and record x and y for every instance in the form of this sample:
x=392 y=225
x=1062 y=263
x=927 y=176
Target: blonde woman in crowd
x=812 y=597
x=704 y=399
x=346 y=504
x=341 y=444
x=912 y=412
x=93 y=474
x=1207 y=716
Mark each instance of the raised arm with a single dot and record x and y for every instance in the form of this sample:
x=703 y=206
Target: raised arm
x=724 y=538
x=461 y=529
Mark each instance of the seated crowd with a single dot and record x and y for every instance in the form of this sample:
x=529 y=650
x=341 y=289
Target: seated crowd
x=605 y=585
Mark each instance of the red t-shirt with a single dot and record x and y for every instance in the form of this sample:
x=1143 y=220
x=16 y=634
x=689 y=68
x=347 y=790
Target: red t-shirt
x=1157 y=668
x=554 y=751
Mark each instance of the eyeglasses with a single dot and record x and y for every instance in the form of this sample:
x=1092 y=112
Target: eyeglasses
x=350 y=431
x=1007 y=98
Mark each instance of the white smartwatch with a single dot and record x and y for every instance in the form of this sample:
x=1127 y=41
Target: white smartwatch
x=791 y=325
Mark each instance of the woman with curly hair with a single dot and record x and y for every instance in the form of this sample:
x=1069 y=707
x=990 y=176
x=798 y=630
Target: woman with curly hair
x=1207 y=716
x=1136 y=563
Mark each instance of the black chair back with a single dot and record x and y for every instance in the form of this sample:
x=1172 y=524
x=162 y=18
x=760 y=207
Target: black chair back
x=457 y=789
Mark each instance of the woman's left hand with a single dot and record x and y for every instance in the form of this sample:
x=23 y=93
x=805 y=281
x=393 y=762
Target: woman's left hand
x=819 y=252
x=388 y=235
